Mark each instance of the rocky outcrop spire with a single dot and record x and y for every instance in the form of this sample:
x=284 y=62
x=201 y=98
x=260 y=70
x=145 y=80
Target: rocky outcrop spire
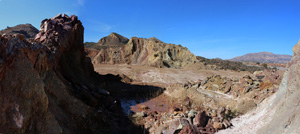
x=47 y=84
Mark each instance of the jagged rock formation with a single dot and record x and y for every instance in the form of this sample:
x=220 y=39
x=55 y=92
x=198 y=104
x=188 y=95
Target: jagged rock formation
x=263 y=57
x=27 y=30
x=140 y=51
x=47 y=84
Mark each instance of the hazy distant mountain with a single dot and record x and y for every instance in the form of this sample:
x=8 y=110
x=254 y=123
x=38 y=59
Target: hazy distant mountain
x=263 y=57
x=27 y=30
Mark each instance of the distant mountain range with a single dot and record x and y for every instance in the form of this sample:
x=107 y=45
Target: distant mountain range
x=263 y=57
x=27 y=30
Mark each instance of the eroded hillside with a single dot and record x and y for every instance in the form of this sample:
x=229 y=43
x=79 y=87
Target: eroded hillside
x=115 y=49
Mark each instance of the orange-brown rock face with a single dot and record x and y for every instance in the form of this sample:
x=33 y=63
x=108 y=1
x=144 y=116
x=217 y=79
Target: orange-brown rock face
x=140 y=51
x=47 y=85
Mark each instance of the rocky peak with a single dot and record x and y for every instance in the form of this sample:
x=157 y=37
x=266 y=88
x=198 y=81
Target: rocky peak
x=27 y=30
x=113 y=39
x=155 y=40
x=60 y=33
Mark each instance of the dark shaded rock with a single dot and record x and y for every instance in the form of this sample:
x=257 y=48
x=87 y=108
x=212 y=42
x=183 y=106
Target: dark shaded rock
x=201 y=119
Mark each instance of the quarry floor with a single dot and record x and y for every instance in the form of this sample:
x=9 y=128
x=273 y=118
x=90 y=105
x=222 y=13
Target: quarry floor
x=162 y=76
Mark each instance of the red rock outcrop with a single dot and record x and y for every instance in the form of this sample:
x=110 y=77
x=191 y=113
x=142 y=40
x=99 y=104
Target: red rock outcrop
x=47 y=84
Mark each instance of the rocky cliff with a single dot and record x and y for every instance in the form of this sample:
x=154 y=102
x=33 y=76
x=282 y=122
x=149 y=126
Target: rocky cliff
x=141 y=51
x=263 y=57
x=47 y=84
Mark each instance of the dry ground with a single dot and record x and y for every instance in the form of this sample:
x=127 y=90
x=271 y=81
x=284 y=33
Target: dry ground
x=162 y=76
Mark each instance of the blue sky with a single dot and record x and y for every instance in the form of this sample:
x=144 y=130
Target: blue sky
x=209 y=28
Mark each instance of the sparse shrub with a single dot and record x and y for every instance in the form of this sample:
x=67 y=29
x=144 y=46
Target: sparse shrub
x=265 y=65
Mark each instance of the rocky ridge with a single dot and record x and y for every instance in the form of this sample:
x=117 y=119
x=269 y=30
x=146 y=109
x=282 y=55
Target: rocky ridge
x=27 y=30
x=141 y=51
x=218 y=64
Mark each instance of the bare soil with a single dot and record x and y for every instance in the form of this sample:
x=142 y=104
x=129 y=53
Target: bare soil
x=162 y=76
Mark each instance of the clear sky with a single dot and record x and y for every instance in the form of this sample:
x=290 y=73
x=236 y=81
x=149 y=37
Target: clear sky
x=209 y=28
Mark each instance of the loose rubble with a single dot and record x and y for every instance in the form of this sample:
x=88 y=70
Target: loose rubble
x=188 y=114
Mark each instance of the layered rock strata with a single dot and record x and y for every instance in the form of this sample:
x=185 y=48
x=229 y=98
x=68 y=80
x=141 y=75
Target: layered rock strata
x=141 y=51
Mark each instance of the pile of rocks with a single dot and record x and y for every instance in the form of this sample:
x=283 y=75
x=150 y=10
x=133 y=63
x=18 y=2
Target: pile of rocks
x=208 y=105
x=179 y=121
x=251 y=87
